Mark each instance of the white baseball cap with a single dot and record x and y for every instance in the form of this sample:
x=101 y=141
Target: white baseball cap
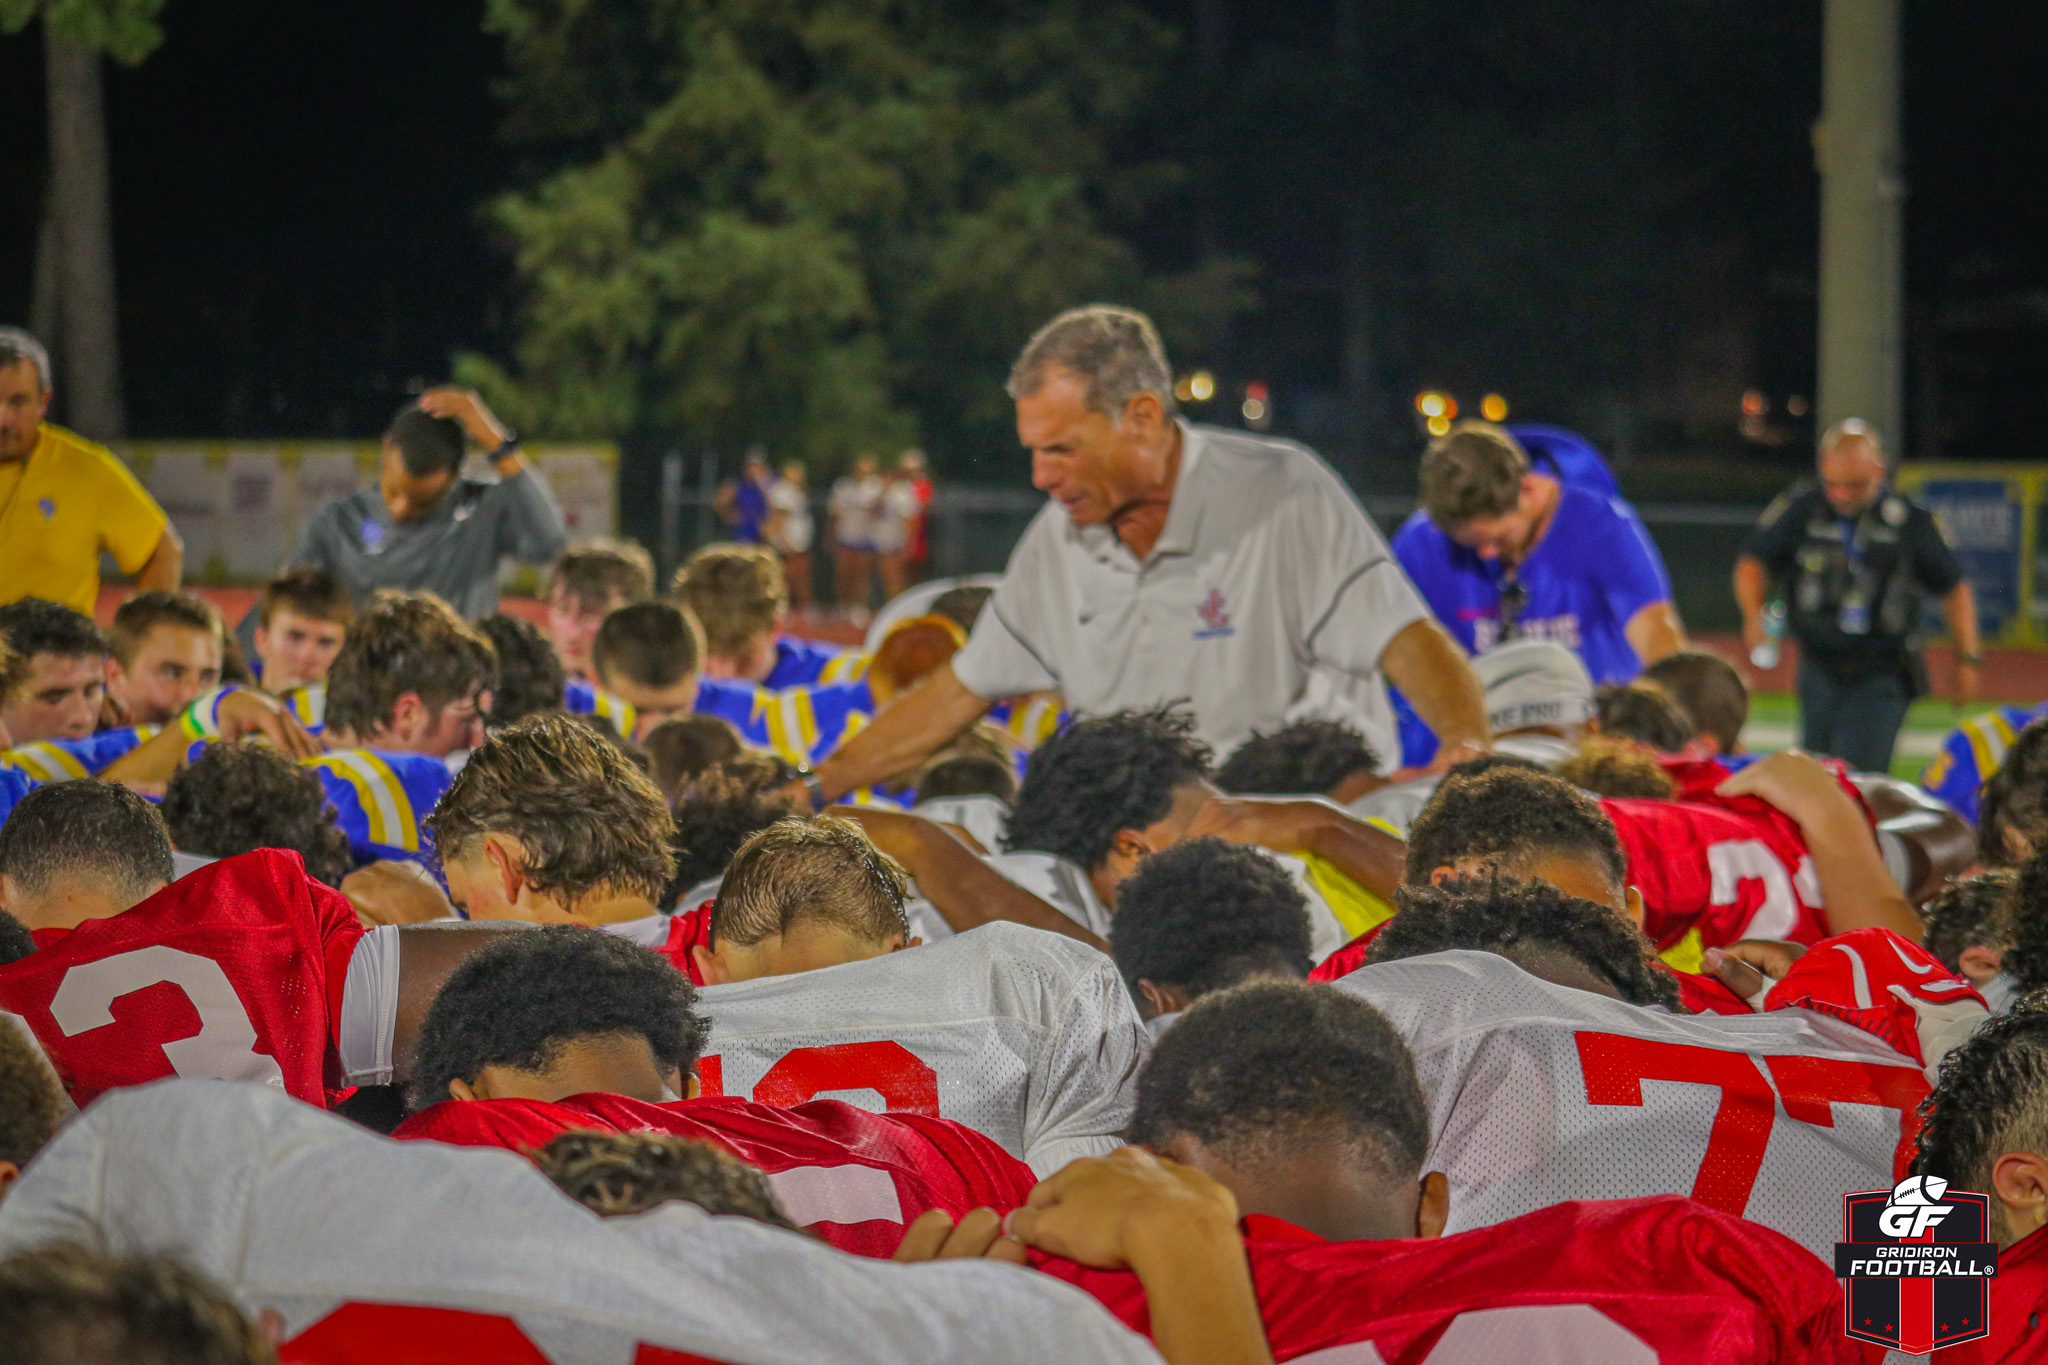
x=1534 y=682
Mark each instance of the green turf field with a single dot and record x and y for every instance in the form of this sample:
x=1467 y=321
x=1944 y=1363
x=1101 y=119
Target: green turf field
x=1774 y=724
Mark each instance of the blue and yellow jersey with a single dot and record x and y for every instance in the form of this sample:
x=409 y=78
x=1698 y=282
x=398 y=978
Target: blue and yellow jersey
x=799 y=662
x=1974 y=751
x=380 y=799
x=800 y=724
x=583 y=697
x=14 y=784
x=60 y=760
x=309 y=704
x=1032 y=720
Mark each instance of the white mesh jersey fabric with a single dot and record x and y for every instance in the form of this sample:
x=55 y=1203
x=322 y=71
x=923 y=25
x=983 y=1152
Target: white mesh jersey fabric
x=984 y=817
x=1539 y=1093
x=1023 y=1035
x=296 y=1210
x=1061 y=884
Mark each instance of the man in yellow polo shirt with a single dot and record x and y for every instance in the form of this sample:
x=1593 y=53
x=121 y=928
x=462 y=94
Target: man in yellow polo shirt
x=64 y=499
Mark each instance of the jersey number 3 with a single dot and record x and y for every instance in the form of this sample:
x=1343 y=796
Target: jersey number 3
x=224 y=1049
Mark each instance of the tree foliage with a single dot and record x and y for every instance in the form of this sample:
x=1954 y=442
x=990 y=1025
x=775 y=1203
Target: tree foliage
x=126 y=30
x=825 y=225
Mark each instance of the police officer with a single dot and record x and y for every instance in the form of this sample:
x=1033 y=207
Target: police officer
x=1853 y=559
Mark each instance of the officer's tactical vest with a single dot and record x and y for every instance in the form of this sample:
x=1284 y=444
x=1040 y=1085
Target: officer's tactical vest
x=1870 y=593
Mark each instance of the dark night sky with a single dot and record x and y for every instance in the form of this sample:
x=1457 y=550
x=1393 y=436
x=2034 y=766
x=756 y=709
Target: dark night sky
x=296 y=190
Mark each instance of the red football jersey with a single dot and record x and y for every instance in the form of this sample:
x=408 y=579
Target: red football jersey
x=1727 y=874
x=687 y=930
x=233 y=972
x=1349 y=958
x=1623 y=1282
x=857 y=1178
x=2019 y=1302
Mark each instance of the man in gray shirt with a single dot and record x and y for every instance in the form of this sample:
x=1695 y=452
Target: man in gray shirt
x=427 y=527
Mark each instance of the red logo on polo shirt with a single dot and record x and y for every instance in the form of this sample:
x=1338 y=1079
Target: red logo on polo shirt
x=1215 y=620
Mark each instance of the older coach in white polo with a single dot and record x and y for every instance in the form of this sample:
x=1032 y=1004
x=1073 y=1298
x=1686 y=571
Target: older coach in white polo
x=1175 y=561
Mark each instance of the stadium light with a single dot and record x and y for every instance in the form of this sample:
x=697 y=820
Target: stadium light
x=1432 y=404
x=1439 y=425
x=1201 y=386
x=1494 y=408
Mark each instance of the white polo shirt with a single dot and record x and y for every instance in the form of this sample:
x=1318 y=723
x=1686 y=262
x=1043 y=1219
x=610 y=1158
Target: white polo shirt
x=1267 y=568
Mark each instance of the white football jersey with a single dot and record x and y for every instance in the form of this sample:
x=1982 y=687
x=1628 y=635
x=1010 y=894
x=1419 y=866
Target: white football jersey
x=1061 y=884
x=1024 y=1035
x=358 y=1240
x=1539 y=1093
x=985 y=818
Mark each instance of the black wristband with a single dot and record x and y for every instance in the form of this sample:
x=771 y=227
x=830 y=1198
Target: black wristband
x=815 y=787
x=1972 y=660
x=508 y=446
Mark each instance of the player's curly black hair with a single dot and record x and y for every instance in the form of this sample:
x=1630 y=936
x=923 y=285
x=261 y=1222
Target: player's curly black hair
x=1970 y=913
x=2022 y=924
x=1511 y=816
x=530 y=677
x=1257 y=1070
x=1309 y=757
x=618 y=1174
x=519 y=1000
x=1206 y=914
x=728 y=804
x=1645 y=713
x=2015 y=798
x=244 y=795
x=1102 y=776
x=1991 y=1098
x=1505 y=915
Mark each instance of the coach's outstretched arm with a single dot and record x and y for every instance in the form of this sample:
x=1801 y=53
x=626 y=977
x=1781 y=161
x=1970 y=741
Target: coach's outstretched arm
x=917 y=725
x=1433 y=673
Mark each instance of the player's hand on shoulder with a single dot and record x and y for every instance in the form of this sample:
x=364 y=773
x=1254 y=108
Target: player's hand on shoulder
x=1108 y=1211
x=934 y=1236
x=246 y=711
x=1792 y=780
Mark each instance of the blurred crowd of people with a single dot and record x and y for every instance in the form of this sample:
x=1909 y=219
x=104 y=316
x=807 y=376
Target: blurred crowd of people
x=876 y=516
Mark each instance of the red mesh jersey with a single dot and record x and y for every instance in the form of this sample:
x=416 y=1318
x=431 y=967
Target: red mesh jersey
x=1623 y=1282
x=856 y=1178
x=1728 y=874
x=231 y=973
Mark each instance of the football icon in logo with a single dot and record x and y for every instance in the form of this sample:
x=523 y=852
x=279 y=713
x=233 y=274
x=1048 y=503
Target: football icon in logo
x=1916 y=1206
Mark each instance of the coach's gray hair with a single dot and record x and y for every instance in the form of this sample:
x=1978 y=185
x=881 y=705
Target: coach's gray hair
x=17 y=346
x=1116 y=350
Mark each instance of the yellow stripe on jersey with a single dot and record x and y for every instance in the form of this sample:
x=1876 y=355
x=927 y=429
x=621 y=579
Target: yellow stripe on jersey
x=1688 y=955
x=43 y=761
x=851 y=666
x=386 y=807
x=621 y=713
x=1356 y=908
x=1033 y=724
x=792 y=722
x=1990 y=735
x=308 y=702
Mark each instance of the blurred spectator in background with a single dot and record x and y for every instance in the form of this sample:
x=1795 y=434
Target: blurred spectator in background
x=914 y=472
x=789 y=531
x=856 y=499
x=63 y=499
x=897 y=515
x=1501 y=552
x=588 y=584
x=300 y=621
x=427 y=527
x=742 y=503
